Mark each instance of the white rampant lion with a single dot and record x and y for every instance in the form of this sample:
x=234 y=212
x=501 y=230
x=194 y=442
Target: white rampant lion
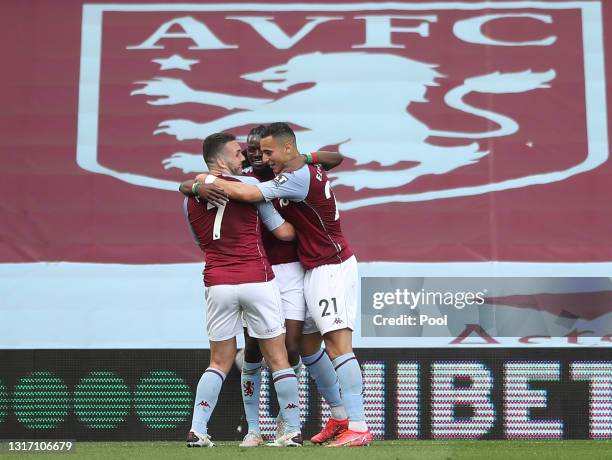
x=359 y=101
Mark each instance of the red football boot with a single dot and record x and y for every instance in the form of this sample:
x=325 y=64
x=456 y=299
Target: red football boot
x=332 y=429
x=351 y=438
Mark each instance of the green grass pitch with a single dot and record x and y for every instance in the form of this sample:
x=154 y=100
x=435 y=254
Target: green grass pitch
x=418 y=450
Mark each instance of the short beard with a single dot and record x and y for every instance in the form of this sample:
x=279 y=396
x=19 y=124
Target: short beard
x=237 y=171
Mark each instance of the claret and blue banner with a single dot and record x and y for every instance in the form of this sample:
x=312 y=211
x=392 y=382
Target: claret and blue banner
x=475 y=193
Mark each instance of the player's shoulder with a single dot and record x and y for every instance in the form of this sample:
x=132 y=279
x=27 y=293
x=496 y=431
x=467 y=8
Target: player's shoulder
x=244 y=179
x=316 y=174
x=300 y=175
x=193 y=206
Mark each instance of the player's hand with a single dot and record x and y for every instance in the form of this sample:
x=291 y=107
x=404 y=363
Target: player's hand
x=213 y=194
x=294 y=164
x=185 y=187
x=201 y=177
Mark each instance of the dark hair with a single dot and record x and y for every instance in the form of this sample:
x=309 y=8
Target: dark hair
x=257 y=131
x=279 y=130
x=213 y=144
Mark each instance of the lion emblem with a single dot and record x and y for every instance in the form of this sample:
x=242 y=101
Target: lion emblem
x=360 y=102
x=248 y=388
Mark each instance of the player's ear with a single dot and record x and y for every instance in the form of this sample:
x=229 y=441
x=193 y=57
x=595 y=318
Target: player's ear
x=220 y=162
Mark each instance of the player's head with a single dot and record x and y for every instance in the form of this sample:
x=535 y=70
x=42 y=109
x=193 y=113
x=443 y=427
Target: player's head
x=278 y=145
x=253 y=150
x=222 y=153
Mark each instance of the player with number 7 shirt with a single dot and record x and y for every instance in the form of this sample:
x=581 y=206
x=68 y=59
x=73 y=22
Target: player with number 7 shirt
x=239 y=282
x=331 y=279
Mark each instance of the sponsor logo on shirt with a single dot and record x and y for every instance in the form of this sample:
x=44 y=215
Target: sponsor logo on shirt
x=280 y=180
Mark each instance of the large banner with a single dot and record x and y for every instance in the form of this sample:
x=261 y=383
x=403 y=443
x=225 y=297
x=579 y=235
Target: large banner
x=475 y=137
x=408 y=394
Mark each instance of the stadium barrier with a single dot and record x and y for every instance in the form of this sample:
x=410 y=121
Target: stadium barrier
x=409 y=394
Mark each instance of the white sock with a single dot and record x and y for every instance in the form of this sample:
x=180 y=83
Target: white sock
x=358 y=426
x=338 y=413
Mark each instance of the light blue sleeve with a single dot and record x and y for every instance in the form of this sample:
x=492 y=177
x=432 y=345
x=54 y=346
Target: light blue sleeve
x=292 y=186
x=269 y=215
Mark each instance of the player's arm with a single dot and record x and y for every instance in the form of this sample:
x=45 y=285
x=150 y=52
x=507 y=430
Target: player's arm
x=185 y=187
x=292 y=186
x=238 y=191
x=328 y=160
x=209 y=192
x=285 y=232
x=274 y=222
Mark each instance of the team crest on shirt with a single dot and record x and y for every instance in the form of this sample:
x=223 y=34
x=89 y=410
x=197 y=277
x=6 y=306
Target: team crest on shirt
x=383 y=86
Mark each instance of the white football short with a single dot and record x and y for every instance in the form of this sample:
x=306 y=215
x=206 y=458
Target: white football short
x=258 y=303
x=290 y=281
x=331 y=295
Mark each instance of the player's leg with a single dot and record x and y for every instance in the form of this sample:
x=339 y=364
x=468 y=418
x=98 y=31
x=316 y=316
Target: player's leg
x=339 y=344
x=209 y=387
x=322 y=372
x=310 y=342
x=293 y=336
x=223 y=326
x=250 y=379
x=302 y=337
x=331 y=296
x=252 y=353
x=289 y=278
x=286 y=386
x=265 y=321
